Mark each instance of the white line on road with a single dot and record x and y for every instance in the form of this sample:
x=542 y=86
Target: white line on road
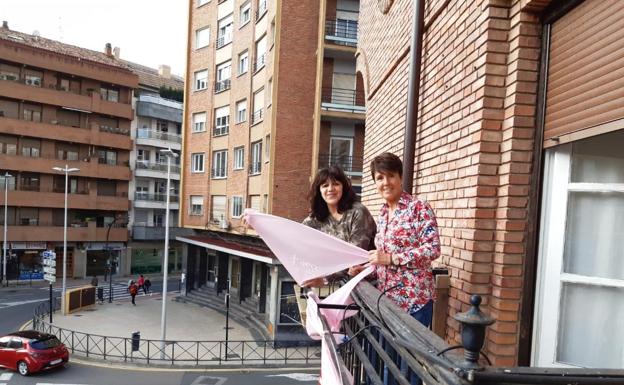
x=8 y=304
x=5 y=377
x=49 y=383
x=298 y=376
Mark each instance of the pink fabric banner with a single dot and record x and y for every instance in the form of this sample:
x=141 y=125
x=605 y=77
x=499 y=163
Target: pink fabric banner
x=305 y=252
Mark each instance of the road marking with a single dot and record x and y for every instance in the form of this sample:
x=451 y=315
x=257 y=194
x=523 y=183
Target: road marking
x=9 y=304
x=6 y=376
x=208 y=380
x=298 y=376
x=49 y=383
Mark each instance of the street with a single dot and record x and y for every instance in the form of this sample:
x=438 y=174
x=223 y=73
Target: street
x=16 y=308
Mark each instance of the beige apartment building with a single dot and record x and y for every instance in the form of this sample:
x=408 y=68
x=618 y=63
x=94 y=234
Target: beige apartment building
x=63 y=105
x=272 y=95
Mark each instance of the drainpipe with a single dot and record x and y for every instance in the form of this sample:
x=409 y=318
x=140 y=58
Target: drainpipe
x=413 y=95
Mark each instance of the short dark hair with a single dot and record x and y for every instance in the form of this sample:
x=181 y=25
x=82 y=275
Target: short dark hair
x=386 y=163
x=318 y=207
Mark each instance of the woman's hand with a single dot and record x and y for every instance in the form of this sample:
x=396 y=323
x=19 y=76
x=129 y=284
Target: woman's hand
x=355 y=270
x=378 y=257
x=246 y=223
x=314 y=282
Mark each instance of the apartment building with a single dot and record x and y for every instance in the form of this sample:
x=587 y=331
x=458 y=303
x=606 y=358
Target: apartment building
x=519 y=150
x=272 y=94
x=63 y=105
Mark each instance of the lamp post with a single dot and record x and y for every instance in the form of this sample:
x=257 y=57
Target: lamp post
x=65 y=170
x=4 y=244
x=163 y=318
x=110 y=260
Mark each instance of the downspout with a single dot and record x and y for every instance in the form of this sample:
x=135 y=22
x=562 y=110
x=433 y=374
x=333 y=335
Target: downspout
x=413 y=95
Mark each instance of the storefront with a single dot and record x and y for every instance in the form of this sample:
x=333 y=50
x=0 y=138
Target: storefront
x=27 y=256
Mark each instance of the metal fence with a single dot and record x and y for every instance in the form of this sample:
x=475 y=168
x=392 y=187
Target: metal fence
x=182 y=353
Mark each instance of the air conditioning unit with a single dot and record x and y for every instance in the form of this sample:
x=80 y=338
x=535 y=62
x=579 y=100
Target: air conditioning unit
x=224 y=224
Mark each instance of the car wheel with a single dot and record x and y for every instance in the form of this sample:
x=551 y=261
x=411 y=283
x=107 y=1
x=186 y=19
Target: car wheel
x=22 y=368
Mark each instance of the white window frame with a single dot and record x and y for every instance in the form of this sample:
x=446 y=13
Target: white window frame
x=267 y=148
x=223 y=200
x=239 y=158
x=197 y=162
x=222 y=121
x=252 y=199
x=243 y=62
x=225 y=31
x=202 y=37
x=244 y=9
x=261 y=53
x=237 y=205
x=219 y=164
x=202 y=2
x=224 y=71
x=201 y=80
x=196 y=206
x=255 y=167
x=241 y=111
x=199 y=122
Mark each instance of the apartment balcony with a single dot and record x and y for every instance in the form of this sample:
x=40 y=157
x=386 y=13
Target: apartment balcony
x=37 y=231
x=56 y=131
x=222 y=85
x=341 y=32
x=149 y=169
x=255 y=168
x=34 y=195
x=159 y=108
x=257 y=117
x=343 y=100
x=260 y=62
x=89 y=167
x=146 y=200
x=262 y=10
x=143 y=232
x=224 y=40
x=351 y=165
x=91 y=102
x=221 y=130
x=155 y=138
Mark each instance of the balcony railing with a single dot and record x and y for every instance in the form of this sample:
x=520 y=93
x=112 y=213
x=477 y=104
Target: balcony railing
x=257 y=116
x=349 y=164
x=115 y=130
x=154 y=197
x=342 y=99
x=220 y=130
x=222 y=85
x=143 y=133
x=255 y=168
x=262 y=9
x=342 y=32
x=218 y=173
x=260 y=62
x=154 y=166
x=224 y=40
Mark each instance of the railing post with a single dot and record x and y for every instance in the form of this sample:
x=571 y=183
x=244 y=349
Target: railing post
x=125 y=350
x=72 y=342
x=104 y=348
x=173 y=353
x=474 y=322
x=88 y=335
x=197 y=354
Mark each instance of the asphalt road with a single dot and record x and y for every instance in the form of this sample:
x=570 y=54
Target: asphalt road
x=16 y=308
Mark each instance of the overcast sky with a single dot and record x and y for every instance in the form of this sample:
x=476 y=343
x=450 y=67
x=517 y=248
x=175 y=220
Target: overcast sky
x=148 y=32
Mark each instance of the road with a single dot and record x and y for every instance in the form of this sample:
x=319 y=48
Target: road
x=16 y=308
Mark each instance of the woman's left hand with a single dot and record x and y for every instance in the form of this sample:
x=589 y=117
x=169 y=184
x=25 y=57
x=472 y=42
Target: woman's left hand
x=378 y=257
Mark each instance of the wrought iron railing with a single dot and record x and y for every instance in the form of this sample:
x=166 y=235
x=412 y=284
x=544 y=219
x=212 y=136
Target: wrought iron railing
x=260 y=62
x=342 y=31
x=257 y=116
x=342 y=97
x=115 y=130
x=222 y=85
x=221 y=130
x=155 y=352
x=223 y=40
x=255 y=168
x=348 y=164
x=143 y=133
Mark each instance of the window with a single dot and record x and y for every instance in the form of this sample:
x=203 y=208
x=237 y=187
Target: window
x=67 y=154
x=197 y=205
x=202 y=38
x=265 y=203
x=199 y=122
x=202 y=2
x=222 y=121
x=244 y=14
x=262 y=9
x=256 y=158
x=224 y=35
x=33 y=80
x=241 y=111
x=110 y=94
x=237 y=207
x=107 y=157
x=197 y=162
x=224 y=72
x=217 y=208
x=29 y=182
x=162 y=125
x=267 y=148
x=201 y=80
x=219 y=164
x=143 y=155
x=243 y=62
x=30 y=147
x=255 y=202
x=341 y=152
x=258 y=104
x=260 y=54
x=159 y=220
x=32 y=113
x=270 y=93
x=239 y=158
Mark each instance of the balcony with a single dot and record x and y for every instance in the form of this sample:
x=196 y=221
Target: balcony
x=54 y=197
x=224 y=40
x=218 y=173
x=255 y=168
x=257 y=117
x=262 y=10
x=222 y=85
x=159 y=108
x=155 y=200
x=155 y=138
x=341 y=32
x=342 y=100
x=260 y=62
x=143 y=232
x=156 y=169
x=351 y=165
x=37 y=231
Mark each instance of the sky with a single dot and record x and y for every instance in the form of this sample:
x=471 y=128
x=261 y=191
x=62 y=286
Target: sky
x=148 y=32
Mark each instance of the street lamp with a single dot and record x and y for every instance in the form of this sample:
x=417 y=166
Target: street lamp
x=65 y=170
x=6 y=177
x=163 y=318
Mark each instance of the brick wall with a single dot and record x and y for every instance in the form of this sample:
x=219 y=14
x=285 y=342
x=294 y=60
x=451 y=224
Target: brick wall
x=474 y=140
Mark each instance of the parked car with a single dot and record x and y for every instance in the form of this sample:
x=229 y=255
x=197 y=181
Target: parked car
x=30 y=351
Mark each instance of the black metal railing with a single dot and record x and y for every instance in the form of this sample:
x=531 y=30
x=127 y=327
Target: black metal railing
x=260 y=62
x=342 y=31
x=155 y=352
x=257 y=116
x=155 y=166
x=262 y=9
x=342 y=97
x=218 y=173
x=115 y=130
x=347 y=163
x=222 y=85
x=221 y=130
x=224 y=40
x=255 y=168
x=141 y=196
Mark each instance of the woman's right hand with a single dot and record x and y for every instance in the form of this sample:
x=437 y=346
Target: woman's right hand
x=355 y=270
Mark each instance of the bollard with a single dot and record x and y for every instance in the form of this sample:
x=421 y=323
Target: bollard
x=473 y=323
x=136 y=340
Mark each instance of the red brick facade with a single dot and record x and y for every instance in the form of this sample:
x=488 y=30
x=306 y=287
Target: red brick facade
x=474 y=141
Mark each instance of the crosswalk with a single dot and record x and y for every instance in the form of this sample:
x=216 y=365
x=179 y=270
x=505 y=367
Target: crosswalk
x=6 y=377
x=120 y=291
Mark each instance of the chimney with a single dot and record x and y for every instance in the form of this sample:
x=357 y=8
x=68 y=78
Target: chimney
x=5 y=24
x=164 y=71
x=116 y=52
x=108 y=49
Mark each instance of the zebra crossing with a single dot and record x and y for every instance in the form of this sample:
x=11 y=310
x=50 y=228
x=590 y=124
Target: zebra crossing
x=120 y=290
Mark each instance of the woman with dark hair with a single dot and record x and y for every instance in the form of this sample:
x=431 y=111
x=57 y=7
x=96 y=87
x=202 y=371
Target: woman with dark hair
x=334 y=210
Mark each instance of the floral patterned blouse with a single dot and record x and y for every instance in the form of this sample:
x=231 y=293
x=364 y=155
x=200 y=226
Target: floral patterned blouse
x=412 y=238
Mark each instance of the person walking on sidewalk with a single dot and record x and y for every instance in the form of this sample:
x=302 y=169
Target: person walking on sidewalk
x=147 y=285
x=141 y=283
x=133 y=289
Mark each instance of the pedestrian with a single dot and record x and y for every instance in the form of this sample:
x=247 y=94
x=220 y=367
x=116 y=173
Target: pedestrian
x=146 y=286
x=94 y=281
x=141 y=282
x=133 y=291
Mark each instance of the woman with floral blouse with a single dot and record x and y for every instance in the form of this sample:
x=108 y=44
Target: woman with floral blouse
x=407 y=241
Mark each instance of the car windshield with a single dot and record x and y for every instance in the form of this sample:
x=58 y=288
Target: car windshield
x=45 y=343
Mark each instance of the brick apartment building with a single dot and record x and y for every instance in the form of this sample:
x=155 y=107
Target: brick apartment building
x=272 y=94
x=519 y=150
x=63 y=105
